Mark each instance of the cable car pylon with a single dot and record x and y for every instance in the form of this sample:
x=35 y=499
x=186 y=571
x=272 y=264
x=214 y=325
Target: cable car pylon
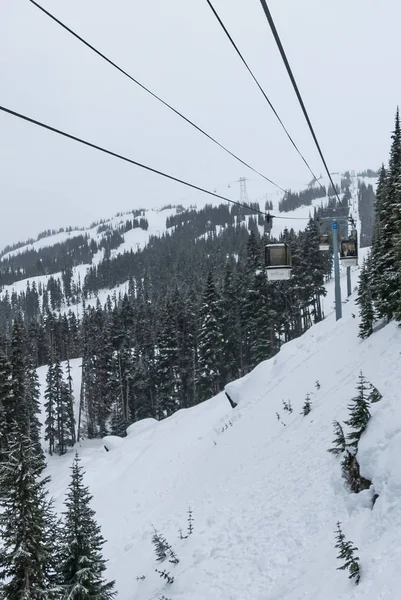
x=348 y=255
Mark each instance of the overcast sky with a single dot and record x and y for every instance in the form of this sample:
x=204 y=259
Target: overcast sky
x=344 y=55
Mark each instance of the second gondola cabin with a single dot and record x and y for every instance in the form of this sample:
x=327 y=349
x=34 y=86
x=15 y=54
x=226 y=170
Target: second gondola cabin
x=278 y=262
x=349 y=250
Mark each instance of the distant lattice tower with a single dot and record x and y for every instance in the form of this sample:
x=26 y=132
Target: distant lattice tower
x=243 y=191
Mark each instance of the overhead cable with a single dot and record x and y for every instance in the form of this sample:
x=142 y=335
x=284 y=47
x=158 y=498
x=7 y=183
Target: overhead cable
x=146 y=89
x=294 y=84
x=134 y=162
x=261 y=89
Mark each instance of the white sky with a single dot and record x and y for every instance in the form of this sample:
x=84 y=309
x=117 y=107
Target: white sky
x=344 y=55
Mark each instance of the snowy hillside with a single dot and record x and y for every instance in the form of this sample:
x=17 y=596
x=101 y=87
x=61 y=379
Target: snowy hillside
x=137 y=238
x=265 y=497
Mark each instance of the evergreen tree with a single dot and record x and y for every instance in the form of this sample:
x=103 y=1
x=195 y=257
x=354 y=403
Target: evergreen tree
x=28 y=551
x=359 y=414
x=50 y=407
x=210 y=341
x=346 y=553
x=339 y=440
x=385 y=256
x=365 y=300
x=82 y=565
x=7 y=407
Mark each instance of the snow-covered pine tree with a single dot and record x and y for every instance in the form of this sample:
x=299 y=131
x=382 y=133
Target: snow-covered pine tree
x=71 y=416
x=210 y=341
x=168 y=363
x=7 y=408
x=50 y=407
x=339 y=440
x=359 y=414
x=82 y=565
x=33 y=407
x=386 y=261
x=365 y=300
x=66 y=419
x=347 y=553
x=28 y=553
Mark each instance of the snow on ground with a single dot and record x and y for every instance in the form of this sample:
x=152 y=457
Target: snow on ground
x=265 y=497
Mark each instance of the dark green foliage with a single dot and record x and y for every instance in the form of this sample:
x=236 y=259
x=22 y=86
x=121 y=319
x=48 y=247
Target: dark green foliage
x=163 y=549
x=287 y=406
x=374 y=394
x=28 y=532
x=165 y=575
x=197 y=313
x=7 y=405
x=347 y=554
x=359 y=413
x=339 y=440
x=190 y=522
x=82 y=565
x=161 y=546
x=307 y=407
x=365 y=300
x=210 y=341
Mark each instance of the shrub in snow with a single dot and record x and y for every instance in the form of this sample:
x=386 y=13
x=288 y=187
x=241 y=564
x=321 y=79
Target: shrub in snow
x=190 y=522
x=317 y=385
x=307 y=407
x=287 y=406
x=165 y=575
x=346 y=553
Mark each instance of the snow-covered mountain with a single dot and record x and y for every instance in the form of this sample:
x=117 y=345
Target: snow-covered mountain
x=137 y=238
x=265 y=493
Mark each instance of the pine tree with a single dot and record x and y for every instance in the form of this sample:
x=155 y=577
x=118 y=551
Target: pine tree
x=359 y=414
x=385 y=254
x=50 y=407
x=365 y=300
x=210 y=342
x=346 y=553
x=7 y=406
x=339 y=441
x=82 y=565
x=28 y=552
x=160 y=544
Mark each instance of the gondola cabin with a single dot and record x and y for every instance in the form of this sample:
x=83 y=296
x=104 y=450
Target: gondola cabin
x=349 y=250
x=324 y=243
x=278 y=262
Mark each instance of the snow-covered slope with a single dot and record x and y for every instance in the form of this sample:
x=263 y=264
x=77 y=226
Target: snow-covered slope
x=137 y=238
x=265 y=496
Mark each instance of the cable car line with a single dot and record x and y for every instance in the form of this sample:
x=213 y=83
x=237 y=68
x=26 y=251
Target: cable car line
x=146 y=89
x=261 y=89
x=294 y=84
x=134 y=162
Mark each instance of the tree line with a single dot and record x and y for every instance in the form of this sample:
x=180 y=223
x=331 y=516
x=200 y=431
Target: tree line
x=379 y=295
